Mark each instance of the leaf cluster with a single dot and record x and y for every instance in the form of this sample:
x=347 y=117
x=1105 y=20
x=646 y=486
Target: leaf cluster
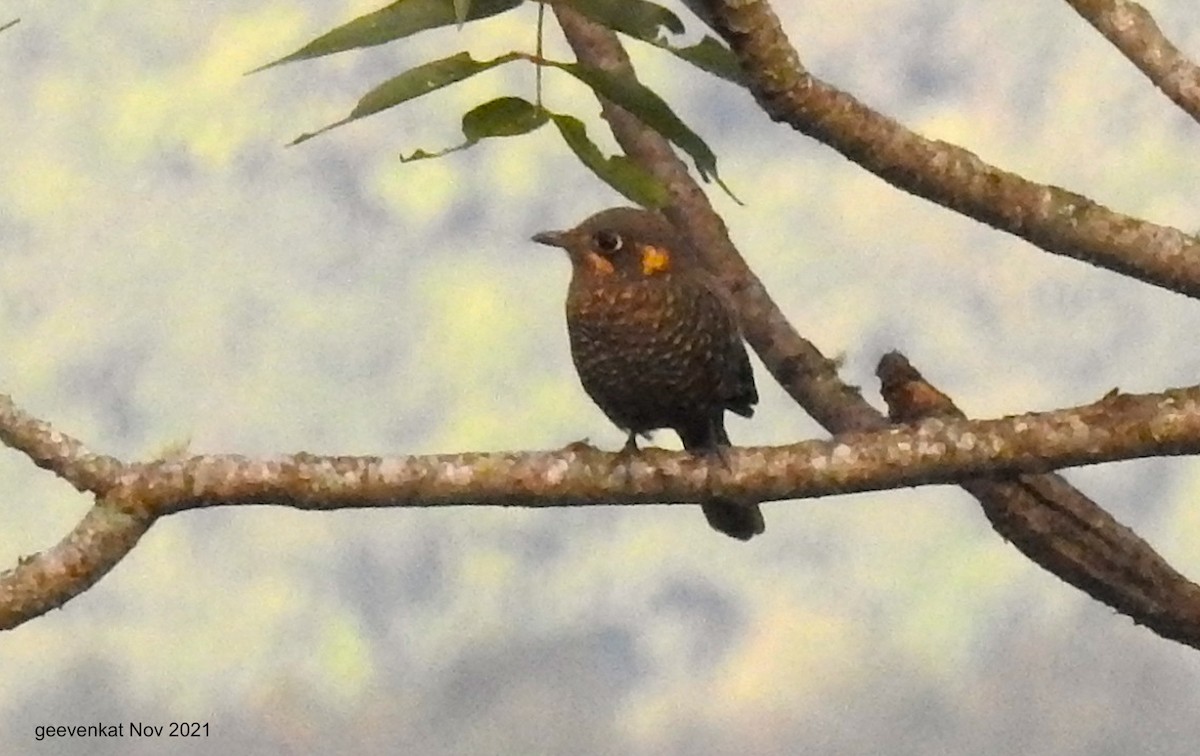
x=510 y=115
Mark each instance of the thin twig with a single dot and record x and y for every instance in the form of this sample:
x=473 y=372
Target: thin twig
x=541 y=28
x=1133 y=31
x=48 y=580
x=57 y=452
x=1057 y=220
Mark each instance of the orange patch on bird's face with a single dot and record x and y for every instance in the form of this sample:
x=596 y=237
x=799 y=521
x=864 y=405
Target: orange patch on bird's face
x=655 y=260
x=599 y=263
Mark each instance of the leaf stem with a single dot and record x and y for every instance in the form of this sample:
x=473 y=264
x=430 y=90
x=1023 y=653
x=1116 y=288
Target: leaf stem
x=540 y=27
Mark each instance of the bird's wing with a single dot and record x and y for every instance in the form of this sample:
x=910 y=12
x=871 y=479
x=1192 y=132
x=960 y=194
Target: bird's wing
x=737 y=381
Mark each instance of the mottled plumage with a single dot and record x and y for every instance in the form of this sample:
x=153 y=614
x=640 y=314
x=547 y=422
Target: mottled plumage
x=655 y=340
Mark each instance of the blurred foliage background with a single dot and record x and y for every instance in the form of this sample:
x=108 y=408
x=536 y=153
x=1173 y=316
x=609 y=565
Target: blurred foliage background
x=172 y=273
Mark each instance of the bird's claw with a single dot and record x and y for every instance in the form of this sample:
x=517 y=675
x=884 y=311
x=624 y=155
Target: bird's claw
x=720 y=453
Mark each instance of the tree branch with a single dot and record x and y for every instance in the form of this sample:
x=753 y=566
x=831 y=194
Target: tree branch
x=799 y=367
x=48 y=580
x=1132 y=29
x=1057 y=220
x=1099 y=555
x=937 y=450
x=1062 y=530
x=57 y=452
x=1019 y=512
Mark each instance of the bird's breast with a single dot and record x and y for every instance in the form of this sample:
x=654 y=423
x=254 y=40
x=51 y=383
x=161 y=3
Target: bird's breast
x=656 y=315
x=645 y=352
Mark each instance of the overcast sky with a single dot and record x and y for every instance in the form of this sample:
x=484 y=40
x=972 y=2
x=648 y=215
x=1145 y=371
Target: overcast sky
x=171 y=273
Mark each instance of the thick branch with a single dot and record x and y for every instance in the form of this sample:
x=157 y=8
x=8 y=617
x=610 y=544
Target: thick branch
x=799 y=367
x=1132 y=29
x=1054 y=219
x=935 y=451
x=812 y=380
x=1062 y=530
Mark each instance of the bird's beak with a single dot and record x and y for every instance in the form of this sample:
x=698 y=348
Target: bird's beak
x=552 y=238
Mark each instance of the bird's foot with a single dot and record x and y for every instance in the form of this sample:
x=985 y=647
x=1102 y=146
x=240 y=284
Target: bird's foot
x=629 y=452
x=717 y=453
x=630 y=449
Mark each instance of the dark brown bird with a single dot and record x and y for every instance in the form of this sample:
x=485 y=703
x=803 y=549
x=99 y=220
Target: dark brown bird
x=655 y=340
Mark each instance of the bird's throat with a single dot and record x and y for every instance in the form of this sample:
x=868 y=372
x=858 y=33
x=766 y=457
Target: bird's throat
x=598 y=264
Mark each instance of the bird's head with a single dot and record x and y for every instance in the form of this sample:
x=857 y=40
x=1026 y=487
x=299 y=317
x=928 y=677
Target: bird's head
x=622 y=243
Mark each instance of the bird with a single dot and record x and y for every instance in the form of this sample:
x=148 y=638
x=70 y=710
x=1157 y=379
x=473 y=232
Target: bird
x=656 y=341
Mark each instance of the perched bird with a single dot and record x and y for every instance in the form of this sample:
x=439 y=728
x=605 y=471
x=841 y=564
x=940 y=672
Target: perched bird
x=655 y=340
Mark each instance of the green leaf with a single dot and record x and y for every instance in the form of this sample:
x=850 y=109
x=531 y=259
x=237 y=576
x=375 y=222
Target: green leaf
x=395 y=21
x=619 y=172
x=637 y=18
x=710 y=55
x=652 y=110
x=502 y=117
x=422 y=155
x=644 y=20
x=461 y=9
x=413 y=83
x=425 y=79
x=703 y=12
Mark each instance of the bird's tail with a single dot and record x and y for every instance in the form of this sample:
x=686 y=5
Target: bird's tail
x=740 y=520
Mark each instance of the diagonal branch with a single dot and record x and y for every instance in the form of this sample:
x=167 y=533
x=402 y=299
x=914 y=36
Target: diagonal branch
x=799 y=367
x=1062 y=530
x=1132 y=29
x=938 y=450
x=1021 y=513
x=49 y=579
x=1057 y=220
x=57 y=452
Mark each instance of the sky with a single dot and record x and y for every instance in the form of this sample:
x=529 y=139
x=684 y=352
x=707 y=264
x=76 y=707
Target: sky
x=173 y=276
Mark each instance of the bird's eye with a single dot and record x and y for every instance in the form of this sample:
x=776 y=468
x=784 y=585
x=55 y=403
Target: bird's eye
x=608 y=241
